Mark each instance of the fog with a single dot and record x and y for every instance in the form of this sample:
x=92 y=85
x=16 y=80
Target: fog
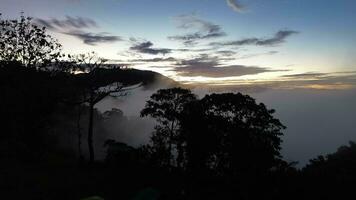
x=318 y=121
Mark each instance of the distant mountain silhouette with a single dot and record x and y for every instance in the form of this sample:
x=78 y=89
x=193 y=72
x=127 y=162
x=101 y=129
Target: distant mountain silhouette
x=150 y=79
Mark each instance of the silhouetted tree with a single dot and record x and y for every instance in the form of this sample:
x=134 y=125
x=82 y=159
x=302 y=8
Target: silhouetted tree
x=79 y=132
x=332 y=176
x=231 y=134
x=94 y=86
x=23 y=41
x=340 y=163
x=27 y=101
x=119 y=153
x=166 y=106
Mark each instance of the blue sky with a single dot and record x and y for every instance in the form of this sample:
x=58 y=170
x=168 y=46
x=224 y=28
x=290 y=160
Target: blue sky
x=304 y=43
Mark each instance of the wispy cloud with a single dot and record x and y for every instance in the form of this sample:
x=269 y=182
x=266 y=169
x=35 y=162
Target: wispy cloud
x=278 y=38
x=67 y=23
x=257 y=55
x=204 y=30
x=94 y=38
x=235 y=5
x=319 y=80
x=146 y=48
x=79 y=27
x=169 y=59
x=227 y=53
x=315 y=75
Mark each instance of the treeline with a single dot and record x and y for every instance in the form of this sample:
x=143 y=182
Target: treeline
x=221 y=146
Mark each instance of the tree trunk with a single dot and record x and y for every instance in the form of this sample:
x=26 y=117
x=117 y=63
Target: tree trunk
x=79 y=132
x=90 y=132
x=170 y=144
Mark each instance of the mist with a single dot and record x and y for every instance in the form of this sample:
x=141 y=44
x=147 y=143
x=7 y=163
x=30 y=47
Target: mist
x=317 y=121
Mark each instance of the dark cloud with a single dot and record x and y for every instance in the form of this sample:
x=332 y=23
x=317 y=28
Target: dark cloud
x=94 y=38
x=146 y=48
x=67 y=23
x=207 y=66
x=205 y=30
x=278 y=38
x=235 y=5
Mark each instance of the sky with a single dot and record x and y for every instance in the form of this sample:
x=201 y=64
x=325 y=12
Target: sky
x=217 y=43
x=297 y=56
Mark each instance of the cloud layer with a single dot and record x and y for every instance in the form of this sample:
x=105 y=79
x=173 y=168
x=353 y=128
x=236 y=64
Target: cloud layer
x=207 y=66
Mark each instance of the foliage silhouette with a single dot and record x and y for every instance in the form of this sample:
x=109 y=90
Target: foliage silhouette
x=120 y=153
x=239 y=135
x=222 y=134
x=166 y=106
x=28 y=100
x=332 y=176
x=23 y=41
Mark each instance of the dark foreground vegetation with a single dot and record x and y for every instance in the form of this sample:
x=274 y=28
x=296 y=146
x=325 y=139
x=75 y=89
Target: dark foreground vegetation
x=221 y=146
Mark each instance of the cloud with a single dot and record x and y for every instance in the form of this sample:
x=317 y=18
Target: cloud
x=191 y=39
x=193 y=50
x=193 y=22
x=146 y=48
x=227 y=53
x=78 y=27
x=278 y=38
x=237 y=7
x=319 y=80
x=219 y=72
x=67 y=23
x=94 y=38
x=207 y=66
x=309 y=80
x=258 y=54
x=322 y=81
x=169 y=59
x=204 y=30
x=306 y=75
